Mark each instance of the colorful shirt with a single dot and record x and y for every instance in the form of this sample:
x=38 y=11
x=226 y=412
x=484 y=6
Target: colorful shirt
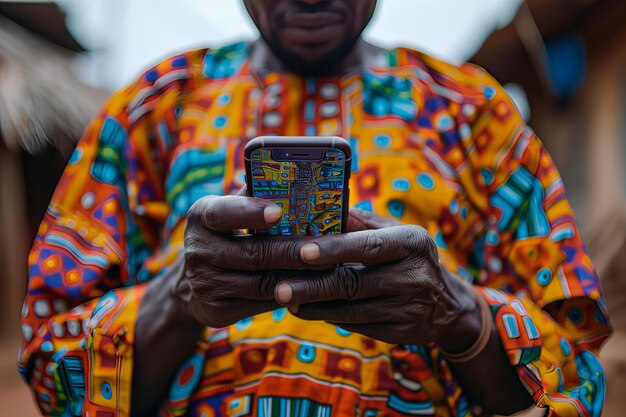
x=434 y=144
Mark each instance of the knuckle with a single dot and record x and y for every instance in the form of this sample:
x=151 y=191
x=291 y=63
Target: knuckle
x=280 y=253
x=267 y=283
x=201 y=253
x=193 y=256
x=350 y=282
x=413 y=311
x=252 y=253
x=417 y=240
x=199 y=206
x=216 y=254
x=212 y=212
x=312 y=290
x=292 y=252
x=374 y=244
x=316 y=289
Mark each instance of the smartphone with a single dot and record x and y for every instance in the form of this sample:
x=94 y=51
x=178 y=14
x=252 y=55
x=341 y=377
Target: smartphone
x=307 y=176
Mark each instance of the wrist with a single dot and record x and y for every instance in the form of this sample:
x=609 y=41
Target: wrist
x=462 y=323
x=460 y=334
x=181 y=295
x=163 y=296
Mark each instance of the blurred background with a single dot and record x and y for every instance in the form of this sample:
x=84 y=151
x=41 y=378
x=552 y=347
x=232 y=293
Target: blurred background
x=562 y=61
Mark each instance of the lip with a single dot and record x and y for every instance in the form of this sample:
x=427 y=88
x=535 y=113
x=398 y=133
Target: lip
x=311 y=21
x=312 y=29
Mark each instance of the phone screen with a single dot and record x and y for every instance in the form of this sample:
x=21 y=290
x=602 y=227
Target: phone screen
x=310 y=191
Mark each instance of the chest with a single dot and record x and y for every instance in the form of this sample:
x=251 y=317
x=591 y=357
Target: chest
x=408 y=158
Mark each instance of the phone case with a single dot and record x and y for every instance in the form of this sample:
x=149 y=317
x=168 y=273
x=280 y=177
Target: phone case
x=304 y=148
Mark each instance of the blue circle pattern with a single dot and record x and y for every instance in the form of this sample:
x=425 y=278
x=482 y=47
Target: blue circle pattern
x=445 y=122
x=382 y=141
x=278 y=315
x=487 y=176
x=439 y=240
x=223 y=100
x=426 y=181
x=179 y=392
x=106 y=391
x=454 y=206
x=565 y=347
x=220 y=122
x=401 y=184
x=77 y=155
x=575 y=315
x=492 y=238
x=243 y=324
x=396 y=208
x=306 y=353
x=343 y=332
x=544 y=276
x=490 y=92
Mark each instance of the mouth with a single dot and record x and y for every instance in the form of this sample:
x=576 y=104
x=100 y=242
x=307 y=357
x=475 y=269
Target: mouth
x=312 y=28
x=311 y=21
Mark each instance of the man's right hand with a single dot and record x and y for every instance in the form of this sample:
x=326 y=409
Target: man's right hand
x=227 y=276
x=222 y=278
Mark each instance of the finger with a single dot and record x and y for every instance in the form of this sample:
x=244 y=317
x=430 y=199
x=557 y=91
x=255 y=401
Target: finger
x=385 y=332
x=257 y=253
x=243 y=191
x=370 y=247
x=360 y=219
x=236 y=284
x=377 y=310
x=225 y=312
x=341 y=283
x=242 y=309
x=223 y=214
x=247 y=252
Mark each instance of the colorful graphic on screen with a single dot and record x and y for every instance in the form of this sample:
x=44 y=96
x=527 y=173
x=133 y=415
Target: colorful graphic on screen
x=310 y=192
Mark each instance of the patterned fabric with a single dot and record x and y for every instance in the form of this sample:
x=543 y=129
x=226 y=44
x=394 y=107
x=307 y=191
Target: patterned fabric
x=434 y=145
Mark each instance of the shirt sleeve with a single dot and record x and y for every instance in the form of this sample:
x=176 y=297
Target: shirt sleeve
x=531 y=263
x=102 y=238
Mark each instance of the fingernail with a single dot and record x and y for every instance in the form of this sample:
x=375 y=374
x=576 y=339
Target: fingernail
x=272 y=214
x=310 y=252
x=283 y=294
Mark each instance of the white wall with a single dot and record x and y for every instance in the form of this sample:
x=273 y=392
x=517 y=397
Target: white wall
x=127 y=36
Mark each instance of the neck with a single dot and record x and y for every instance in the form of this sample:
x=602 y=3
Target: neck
x=364 y=55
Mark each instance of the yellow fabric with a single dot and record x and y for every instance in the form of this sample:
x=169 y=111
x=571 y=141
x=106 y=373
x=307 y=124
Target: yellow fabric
x=434 y=144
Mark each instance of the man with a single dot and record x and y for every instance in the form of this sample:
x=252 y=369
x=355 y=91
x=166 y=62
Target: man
x=201 y=322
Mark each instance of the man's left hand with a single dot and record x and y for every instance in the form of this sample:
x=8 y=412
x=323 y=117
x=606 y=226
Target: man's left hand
x=389 y=286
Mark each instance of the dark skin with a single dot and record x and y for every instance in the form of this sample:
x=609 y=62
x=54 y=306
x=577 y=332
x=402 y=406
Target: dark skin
x=394 y=289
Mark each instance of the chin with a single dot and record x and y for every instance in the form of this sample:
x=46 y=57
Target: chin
x=318 y=61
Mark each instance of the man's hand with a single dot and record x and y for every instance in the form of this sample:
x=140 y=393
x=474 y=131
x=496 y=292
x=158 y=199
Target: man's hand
x=229 y=277
x=397 y=292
